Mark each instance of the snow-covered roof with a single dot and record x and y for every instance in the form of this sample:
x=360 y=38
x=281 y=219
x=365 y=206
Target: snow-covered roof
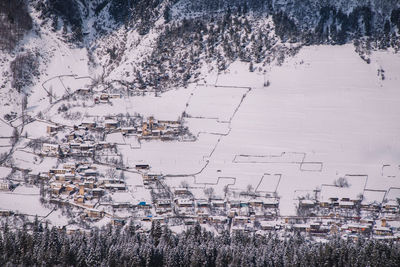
x=307 y=201
x=110 y=122
x=271 y=201
x=346 y=203
x=50 y=145
x=4 y=171
x=269 y=223
x=184 y=201
x=114 y=185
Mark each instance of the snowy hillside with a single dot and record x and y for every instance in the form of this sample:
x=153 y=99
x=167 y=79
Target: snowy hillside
x=184 y=111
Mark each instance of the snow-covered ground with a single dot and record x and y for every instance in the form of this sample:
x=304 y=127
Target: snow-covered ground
x=326 y=103
x=326 y=114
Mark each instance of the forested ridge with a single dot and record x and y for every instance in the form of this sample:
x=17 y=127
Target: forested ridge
x=116 y=246
x=184 y=36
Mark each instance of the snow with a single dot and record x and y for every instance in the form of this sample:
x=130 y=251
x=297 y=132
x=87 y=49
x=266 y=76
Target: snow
x=370 y=197
x=220 y=102
x=25 y=200
x=269 y=183
x=133 y=179
x=37 y=129
x=332 y=108
x=122 y=197
x=56 y=218
x=393 y=194
x=4 y=171
x=5 y=129
x=115 y=138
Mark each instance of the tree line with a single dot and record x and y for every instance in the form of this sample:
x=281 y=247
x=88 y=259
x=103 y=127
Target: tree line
x=127 y=246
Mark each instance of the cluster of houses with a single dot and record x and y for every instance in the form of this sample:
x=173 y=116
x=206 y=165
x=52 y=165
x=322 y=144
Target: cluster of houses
x=332 y=212
x=151 y=128
x=105 y=98
x=179 y=204
x=339 y=211
x=80 y=140
x=81 y=182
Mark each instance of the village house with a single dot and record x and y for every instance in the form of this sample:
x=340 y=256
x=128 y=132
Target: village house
x=240 y=220
x=114 y=186
x=6 y=213
x=372 y=200
x=182 y=191
x=111 y=124
x=59 y=177
x=234 y=204
x=301 y=227
x=271 y=203
x=163 y=203
x=57 y=188
x=159 y=219
x=360 y=228
x=94 y=214
x=71 y=166
x=346 y=204
x=128 y=130
x=4 y=185
x=269 y=225
x=75 y=136
x=142 y=166
x=218 y=203
x=81 y=189
x=97 y=192
x=202 y=204
x=79 y=199
x=89 y=172
x=54 y=172
x=88 y=124
x=382 y=231
x=233 y=212
x=50 y=149
x=150 y=177
x=52 y=129
x=83 y=91
x=307 y=203
x=218 y=219
x=184 y=203
x=190 y=220
x=203 y=217
x=70 y=188
x=69 y=176
x=114 y=96
x=86 y=147
x=391 y=206
x=144 y=205
x=256 y=203
x=44 y=175
x=118 y=222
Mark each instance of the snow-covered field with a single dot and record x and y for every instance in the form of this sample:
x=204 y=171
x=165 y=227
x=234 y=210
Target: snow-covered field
x=327 y=114
x=325 y=103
